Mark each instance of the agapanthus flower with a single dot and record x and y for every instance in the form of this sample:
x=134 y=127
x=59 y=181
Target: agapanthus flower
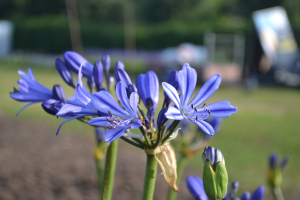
x=119 y=119
x=33 y=92
x=148 y=88
x=192 y=111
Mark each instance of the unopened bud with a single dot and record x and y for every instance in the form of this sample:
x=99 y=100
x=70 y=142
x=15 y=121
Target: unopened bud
x=259 y=193
x=215 y=177
x=98 y=74
x=235 y=186
x=161 y=119
x=110 y=82
x=246 y=196
x=118 y=65
x=106 y=63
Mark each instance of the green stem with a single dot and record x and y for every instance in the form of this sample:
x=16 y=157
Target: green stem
x=109 y=171
x=150 y=178
x=277 y=193
x=131 y=142
x=170 y=130
x=181 y=163
x=100 y=173
x=146 y=137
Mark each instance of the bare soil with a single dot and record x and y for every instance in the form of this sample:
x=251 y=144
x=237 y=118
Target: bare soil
x=36 y=164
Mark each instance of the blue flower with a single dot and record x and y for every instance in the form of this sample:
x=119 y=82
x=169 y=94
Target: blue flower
x=30 y=90
x=119 y=119
x=52 y=106
x=191 y=110
x=74 y=60
x=195 y=186
x=148 y=88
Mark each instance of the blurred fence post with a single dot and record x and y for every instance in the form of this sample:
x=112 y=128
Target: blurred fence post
x=6 y=37
x=129 y=28
x=74 y=26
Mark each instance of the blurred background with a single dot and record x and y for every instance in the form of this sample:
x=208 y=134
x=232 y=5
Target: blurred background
x=253 y=44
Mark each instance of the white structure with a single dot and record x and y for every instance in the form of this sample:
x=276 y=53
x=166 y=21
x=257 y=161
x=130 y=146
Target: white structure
x=6 y=37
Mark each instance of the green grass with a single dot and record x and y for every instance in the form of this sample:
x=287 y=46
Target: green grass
x=267 y=121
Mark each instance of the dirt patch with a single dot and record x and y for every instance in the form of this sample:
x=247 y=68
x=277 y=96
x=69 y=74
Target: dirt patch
x=35 y=164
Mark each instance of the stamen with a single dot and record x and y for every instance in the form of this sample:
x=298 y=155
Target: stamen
x=196 y=118
x=108 y=119
x=109 y=113
x=192 y=105
x=119 y=119
x=196 y=109
x=208 y=112
x=116 y=123
x=204 y=105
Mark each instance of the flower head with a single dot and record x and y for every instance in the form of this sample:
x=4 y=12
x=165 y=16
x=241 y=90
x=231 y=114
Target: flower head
x=31 y=91
x=192 y=111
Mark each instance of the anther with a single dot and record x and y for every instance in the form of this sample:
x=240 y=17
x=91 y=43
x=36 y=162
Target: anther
x=208 y=112
x=108 y=119
x=109 y=113
x=192 y=105
x=196 y=118
x=115 y=122
x=204 y=105
x=196 y=109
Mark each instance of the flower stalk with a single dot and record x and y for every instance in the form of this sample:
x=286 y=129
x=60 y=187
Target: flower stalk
x=150 y=178
x=109 y=171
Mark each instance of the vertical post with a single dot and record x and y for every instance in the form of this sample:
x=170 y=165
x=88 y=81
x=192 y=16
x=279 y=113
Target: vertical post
x=74 y=26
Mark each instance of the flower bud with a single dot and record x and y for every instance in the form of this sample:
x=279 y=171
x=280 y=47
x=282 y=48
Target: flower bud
x=274 y=160
x=59 y=94
x=106 y=63
x=74 y=60
x=215 y=177
x=285 y=162
x=235 y=186
x=246 y=196
x=173 y=76
x=235 y=198
x=98 y=74
x=64 y=72
x=258 y=193
x=91 y=83
x=209 y=155
x=118 y=65
x=52 y=106
x=161 y=119
x=110 y=82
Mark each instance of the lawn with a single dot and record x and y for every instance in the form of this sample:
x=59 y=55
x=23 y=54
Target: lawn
x=267 y=121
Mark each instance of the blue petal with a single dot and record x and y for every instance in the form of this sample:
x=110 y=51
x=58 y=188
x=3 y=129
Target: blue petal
x=246 y=196
x=59 y=93
x=136 y=124
x=113 y=134
x=134 y=102
x=64 y=72
x=23 y=86
x=34 y=85
x=187 y=79
x=25 y=97
x=81 y=92
x=205 y=127
x=30 y=74
x=70 y=110
x=24 y=107
x=124 y=78
x=99 y=121
x=118 y=65
x=221 y=109
x=105 y=102
x=67 y=121
x=173 y=113
x=122 y=96
x=106 y=63
x=259 y=193
x=148 y=87
x=195 y=186
x=207 y=90
x=172 y=93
